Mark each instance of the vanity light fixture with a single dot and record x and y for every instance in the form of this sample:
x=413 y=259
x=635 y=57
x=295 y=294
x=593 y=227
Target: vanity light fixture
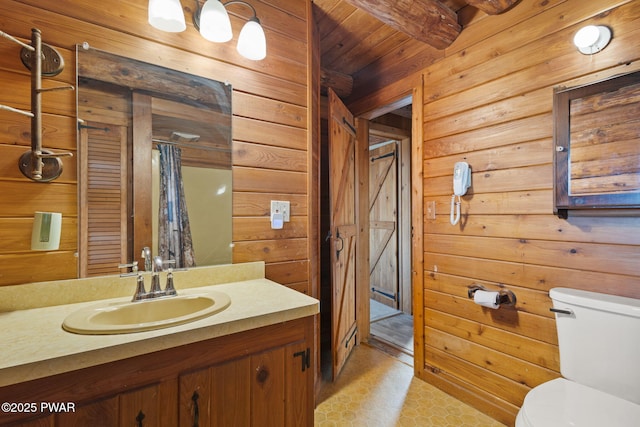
x=212 y=20
x=213 y=23
x=167 y=15
x=592 y=39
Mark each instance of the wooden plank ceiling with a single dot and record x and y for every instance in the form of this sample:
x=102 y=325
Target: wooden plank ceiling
x=365 y=44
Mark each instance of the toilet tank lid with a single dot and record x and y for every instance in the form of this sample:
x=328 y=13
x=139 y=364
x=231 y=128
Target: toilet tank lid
x=595 y=300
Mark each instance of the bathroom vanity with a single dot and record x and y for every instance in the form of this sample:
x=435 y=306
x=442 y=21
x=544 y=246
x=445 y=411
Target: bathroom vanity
x=250 y=364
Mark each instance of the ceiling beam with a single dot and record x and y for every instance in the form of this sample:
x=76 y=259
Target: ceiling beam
x=492 y=7
x=342 y=84
x=429 y=21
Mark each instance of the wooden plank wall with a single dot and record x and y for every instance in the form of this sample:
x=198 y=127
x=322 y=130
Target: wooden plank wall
x=489 y=102
x=271 y=135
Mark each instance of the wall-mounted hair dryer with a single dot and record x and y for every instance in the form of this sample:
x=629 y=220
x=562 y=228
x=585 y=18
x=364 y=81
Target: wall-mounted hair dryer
x=461 y=182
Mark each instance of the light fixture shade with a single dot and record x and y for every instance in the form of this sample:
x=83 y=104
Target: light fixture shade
x=592 y=39
x=252 y=43
x=215 y=25
x=167 y=15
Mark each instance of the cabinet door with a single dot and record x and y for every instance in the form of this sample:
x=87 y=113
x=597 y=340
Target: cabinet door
x=299 y=401
x=597 y=162
x=231 y=393
x=139 y=408
x=267 y=388
x=101 y=413
x=195 y=399
x=40 y=422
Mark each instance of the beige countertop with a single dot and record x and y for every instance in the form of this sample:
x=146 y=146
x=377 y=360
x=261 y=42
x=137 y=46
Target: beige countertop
x=34 y=345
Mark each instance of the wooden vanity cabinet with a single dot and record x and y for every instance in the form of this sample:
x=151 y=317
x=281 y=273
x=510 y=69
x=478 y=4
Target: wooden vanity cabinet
x=263 y=389
x=262 y=377
x=137 y=407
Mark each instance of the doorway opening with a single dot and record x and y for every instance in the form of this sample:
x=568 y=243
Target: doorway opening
x=390 y=298
x=354 y=291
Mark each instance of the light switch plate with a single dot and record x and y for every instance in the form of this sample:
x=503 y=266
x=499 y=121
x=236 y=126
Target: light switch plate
x=282 y=207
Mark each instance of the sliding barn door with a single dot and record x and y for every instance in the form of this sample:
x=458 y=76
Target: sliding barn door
x=383 y=224
x=342 y=189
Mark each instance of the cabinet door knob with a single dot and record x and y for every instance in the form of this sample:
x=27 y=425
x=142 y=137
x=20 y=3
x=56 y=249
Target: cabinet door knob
x=262 y=375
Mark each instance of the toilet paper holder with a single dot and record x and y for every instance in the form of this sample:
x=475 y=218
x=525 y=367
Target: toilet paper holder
x=505 y=296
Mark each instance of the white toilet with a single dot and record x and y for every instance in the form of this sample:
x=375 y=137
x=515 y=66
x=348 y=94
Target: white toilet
x=599 y=341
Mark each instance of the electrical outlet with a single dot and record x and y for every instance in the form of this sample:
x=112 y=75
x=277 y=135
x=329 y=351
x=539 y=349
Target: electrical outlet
x=282 y=207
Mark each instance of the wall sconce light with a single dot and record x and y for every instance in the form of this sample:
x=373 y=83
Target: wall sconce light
x=213 y=23
x=592 y=39
x=167 y=15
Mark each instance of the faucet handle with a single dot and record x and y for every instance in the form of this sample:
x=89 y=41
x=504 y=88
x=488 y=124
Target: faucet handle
x=157 y=264
x=169 y=289
x=140 y=293
x=133 y=266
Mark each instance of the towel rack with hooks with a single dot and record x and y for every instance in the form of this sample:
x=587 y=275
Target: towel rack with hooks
x=38 y=164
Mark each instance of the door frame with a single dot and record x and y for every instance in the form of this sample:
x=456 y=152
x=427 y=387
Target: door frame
x=415 y=97
x=402 y=140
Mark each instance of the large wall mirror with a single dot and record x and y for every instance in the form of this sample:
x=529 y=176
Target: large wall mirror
x=155 y=164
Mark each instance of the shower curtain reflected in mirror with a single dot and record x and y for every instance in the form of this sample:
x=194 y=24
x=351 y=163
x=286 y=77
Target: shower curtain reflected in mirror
x=174 y=231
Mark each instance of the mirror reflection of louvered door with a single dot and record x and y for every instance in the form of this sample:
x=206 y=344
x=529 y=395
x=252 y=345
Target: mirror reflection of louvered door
x=103 y=199
x=383 y=224
x=342 y=189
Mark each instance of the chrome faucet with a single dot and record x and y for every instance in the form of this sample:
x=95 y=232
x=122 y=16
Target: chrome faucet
x=155 y=277
x=133 y=266
x=140 y=293
x=146 y=255
x=156 y=290
x=155 y=266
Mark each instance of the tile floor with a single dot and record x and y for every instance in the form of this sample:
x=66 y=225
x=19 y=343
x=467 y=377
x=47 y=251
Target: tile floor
x=377 y=390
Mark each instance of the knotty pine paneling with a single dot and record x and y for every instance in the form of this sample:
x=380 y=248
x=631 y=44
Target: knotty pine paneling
x=580 y=229
x=258 y=204
x=271 y=131
x=489 y=102
x=274 y=250
x=503 y=341
x=273 y=134
x=16 y=234
x=254 y=155
x=254 y=228
x=538 y=303
x=498 y=362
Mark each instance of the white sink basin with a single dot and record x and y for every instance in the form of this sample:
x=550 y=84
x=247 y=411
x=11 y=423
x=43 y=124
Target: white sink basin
x=145 y=315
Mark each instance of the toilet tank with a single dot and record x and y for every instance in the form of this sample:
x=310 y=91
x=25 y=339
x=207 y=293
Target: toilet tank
x=599 y=341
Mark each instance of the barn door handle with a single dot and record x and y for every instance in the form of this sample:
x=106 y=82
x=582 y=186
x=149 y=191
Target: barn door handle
x=341 y=245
